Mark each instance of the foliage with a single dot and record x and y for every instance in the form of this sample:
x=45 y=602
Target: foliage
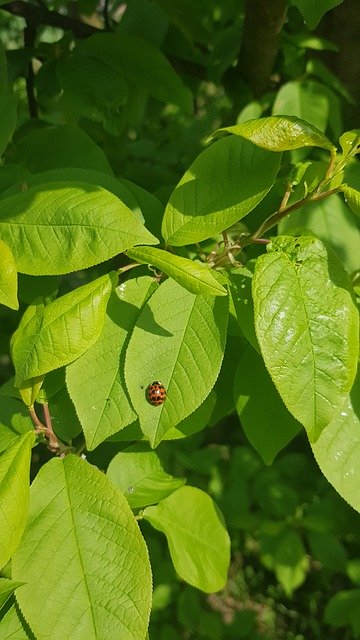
x=163 y=220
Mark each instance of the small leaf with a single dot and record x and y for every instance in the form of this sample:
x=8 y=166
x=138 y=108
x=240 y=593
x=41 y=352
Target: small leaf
x=267 y=434
x=343 y=609
x=291 y=562
x=352 y=197
x=81 y=526
x=8 y=115
x=240 y=290
x=198 y=540
x=138 y=473
x=210 y=197
x=56 y=228
x=95 y=381
x=279 y=133
x=7 y=588
x=307 y=325
x=178 y=339
x=8 y=277
x=312 y=12
x=14 y=494
x=350 y=142
x=194 y=276
x=62 y=331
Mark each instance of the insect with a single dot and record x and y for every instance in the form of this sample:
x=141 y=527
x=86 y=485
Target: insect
x=156 y=393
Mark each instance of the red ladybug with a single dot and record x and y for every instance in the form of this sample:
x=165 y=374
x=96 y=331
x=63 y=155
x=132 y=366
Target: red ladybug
x=156 y=393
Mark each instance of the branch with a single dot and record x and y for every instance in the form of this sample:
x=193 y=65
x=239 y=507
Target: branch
x=264 y=20
x=38 y=14
x=29 y=40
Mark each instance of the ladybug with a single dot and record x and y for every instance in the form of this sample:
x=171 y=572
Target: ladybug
x=156 y=393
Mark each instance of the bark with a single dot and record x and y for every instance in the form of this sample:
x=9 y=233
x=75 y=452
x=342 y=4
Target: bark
x=263 y=22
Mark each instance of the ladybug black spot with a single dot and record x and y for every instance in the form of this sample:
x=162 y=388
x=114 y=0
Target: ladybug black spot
x=156 y=393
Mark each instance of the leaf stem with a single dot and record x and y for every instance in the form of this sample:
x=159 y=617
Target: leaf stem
x=128 y=267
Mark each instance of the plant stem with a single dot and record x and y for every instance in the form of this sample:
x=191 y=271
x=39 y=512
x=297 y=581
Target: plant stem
x=272 y=220
x=54 y=444
x=128 y=267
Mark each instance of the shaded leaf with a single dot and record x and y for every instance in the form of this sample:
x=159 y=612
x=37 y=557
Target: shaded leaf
x=8 y=116
x=198 y=540
x=312 y=12
x=139 y=474
x=308 y=101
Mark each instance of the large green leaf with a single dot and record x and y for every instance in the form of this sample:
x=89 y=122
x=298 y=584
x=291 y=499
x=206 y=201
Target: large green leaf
x=337 y=451
x=307 y=325
x=8 y=115
x=140 y=62
x=82 y=528
x=74 y=148
x=8 y=277
x=263 y=413
x=140 y=476
x=14 y=494
x=194 y=276
x=95 y=381
x=313 y=10
x=57 y=227
x=279 y=133
x=179 y=340
x=331 y=221
x=197 y=537
x=62 y=331
x=223 y=184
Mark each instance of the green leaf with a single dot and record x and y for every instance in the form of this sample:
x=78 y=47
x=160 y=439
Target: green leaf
x=291 y=562
x=210 y=197
x=14 y=494
x=317 y=68
x=196 y=421
x=327 y=549
x=343 y=609
x=92 y=89
x=194 y=276
x=179 y=340
x=312 y=11
x=3 y=68
x=198 y=540
x=8 y=277
x=279 y=133
x=81 y=526
x=139 y=474
x=337 y=450
x=11 y=626
x=240 y=289
x=62 y=331
x=14 y=421
x=56 y=228
x=306 y=100
x=350 y=142
x=307 y=326
x=8 y=116
x=74 y=148
x=95 y=381
x=139 y=61
x=333 y=223
x=7 y=588
x=352 y=198
x=65 y=421
x=264 y=417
